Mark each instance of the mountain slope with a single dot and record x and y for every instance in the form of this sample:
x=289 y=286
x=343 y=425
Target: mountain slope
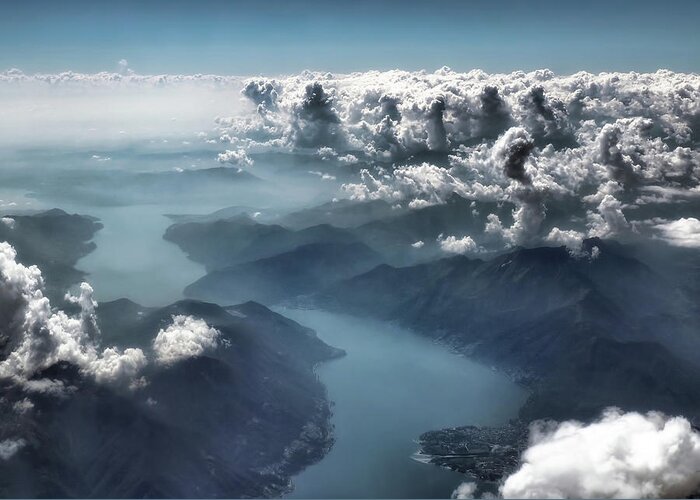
x=54 y=241
x=303 y=270
x=535 y=313
x=235 y=422
x=239 y=239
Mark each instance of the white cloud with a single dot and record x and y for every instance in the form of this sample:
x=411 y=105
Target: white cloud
x=418 y=244
x=452 y=244
x=40 y=337
x=8 y=221
x=113 y=365
x=610 y=220
x=684 y=232
x=186 y=337
x=9 y=447
x=593 y=141
x=464 y=491
x=623 y=455
x=238 y=158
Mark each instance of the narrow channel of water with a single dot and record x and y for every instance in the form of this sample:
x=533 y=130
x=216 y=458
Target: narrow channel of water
x=392 y=386
x=133 y=260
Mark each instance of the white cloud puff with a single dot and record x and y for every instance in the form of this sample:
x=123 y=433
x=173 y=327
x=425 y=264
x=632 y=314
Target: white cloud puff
x=186 y=337
x=8 y=222
x=622 y=455
x=39 y=336
x=465 y=491
x=238 y=158
x=452 y=244
x=684 y=232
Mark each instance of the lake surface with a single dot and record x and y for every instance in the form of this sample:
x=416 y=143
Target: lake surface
x=133 y=260
x=392 y=386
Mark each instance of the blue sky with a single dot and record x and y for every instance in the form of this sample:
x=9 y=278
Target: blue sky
x=273 y=36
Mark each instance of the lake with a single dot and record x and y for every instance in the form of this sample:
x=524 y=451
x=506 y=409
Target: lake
x=392 y=386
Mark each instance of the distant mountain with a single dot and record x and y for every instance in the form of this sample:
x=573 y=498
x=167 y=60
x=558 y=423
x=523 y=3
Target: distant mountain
x=54 y=241
x=97 y=186
x=341 y=213
x=222 y=243
x=173 y=179
x=236 y=422
x=542 y=314
x=224 y=213
x=303 y=270
x=394 y=235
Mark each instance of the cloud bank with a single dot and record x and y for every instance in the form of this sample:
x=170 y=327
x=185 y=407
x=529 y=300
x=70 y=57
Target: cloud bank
x=605 y=146
x=107 y=110
x=622 y=455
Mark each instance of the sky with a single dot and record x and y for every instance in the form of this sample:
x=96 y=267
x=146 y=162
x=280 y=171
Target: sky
x=280 y=37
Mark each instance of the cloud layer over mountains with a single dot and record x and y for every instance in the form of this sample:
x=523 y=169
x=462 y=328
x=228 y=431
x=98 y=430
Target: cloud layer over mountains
x=37 y=336
x=603 y=146
x=110 y=110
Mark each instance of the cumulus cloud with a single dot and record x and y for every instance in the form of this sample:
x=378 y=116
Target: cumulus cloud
x=684 y=232
x=38 y=336
x=465 y=490
x=599 y=144
x=239 y=158
x=512 y=150
x=462 y=245
x=610 y=220
x=622 y=455
x=315 y=120
x=8 y=222
x=186 y=337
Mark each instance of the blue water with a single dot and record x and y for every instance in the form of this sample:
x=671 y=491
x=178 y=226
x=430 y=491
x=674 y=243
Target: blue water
x=392 y=386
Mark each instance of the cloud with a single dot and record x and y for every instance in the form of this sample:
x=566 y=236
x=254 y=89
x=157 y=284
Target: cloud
x=38 y=337
x=512 y=150
x=684 y=232
x=610 y=220
x=315 y=121
x=23 y=406
x=463 y=245
x=123 y=67
x=9 y=447
x=113 y=365
x=464 y=491
x=8 y=222
x=186 y=337
x=263 y=94
x=238 y=158
x=535 y=140
x=622 y=455
x=89 y=111
x=394 y=114
x=418 y=244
